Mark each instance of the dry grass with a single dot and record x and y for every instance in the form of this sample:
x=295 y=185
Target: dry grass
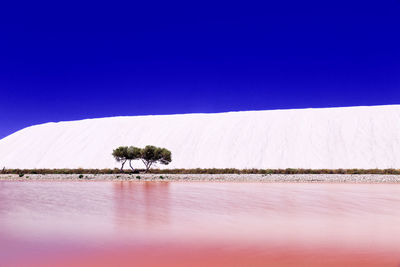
x=205 y=171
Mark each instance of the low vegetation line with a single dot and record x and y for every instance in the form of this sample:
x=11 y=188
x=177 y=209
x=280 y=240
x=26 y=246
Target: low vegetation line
x=202 y=171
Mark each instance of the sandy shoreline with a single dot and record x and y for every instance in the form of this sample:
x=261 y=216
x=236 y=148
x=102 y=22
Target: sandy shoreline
x=269 y=178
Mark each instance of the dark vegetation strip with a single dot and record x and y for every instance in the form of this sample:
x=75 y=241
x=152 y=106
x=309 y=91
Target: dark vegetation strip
x=203 y=171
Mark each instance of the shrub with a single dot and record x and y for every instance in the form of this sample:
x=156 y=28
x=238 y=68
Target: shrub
x=204 y=171
x=21 y=175
x=81 y=176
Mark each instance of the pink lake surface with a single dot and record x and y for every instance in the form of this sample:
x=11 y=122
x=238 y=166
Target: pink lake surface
x=198 y=224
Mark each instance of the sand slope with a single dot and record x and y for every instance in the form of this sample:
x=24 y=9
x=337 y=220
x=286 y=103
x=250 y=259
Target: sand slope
x=355 y=137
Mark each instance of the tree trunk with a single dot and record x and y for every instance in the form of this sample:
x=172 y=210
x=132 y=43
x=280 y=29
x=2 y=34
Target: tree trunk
x=130 y=165
x=122 y=167
x=145 y=164
x=148 y=165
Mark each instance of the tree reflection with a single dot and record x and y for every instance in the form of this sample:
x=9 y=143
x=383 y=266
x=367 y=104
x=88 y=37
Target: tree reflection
x=141 y=204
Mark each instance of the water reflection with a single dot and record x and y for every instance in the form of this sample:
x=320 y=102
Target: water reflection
x=198 y=224
x=144 y=205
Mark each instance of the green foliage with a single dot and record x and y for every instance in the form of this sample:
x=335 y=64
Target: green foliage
x=138 y=177
x=149 y=155
x=123 y=154
x=81 y=176
x=152 y=154
x=21 y=175
x=133 y=153
x=120 y=153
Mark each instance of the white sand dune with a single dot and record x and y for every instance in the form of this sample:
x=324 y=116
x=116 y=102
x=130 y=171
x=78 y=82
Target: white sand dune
x=354 y=137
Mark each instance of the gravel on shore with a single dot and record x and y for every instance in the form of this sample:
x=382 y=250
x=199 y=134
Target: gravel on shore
x=267 y=178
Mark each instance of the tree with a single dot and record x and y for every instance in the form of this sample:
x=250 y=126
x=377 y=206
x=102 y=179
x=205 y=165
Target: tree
x=121 y=155
x=152 y=154
x=132 y=154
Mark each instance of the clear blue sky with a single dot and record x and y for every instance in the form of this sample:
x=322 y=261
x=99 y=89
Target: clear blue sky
x=73 y=60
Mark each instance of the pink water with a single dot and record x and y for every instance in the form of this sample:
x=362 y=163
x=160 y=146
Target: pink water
x=198 y=224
